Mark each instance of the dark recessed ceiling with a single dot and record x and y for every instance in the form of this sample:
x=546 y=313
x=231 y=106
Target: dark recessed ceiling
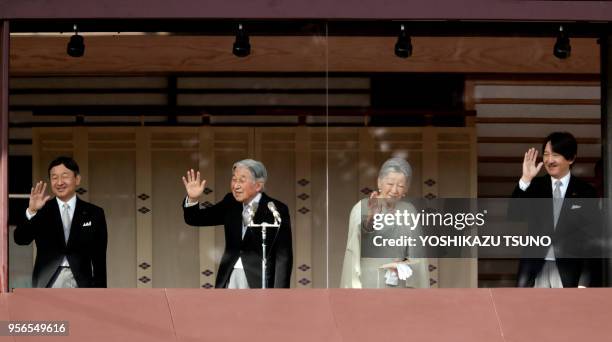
x=309 y=27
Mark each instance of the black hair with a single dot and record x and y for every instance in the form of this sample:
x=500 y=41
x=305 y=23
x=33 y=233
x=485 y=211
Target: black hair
x=562 y=143
x=68 y=162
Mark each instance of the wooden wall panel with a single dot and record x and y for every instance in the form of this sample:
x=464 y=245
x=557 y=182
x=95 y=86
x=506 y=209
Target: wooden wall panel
x=539 y=130
x=121 y=54
x=518 y=149
x=318 y=183
x=81 y=155
x=276 y=149
x=343 y=192
x=457 y=178
x=175 y=244
x=462 y=54
x=430 y=188
x=302 y=224
x=537 y=111
x=537 y=91
x=112 y=187
x=144 y=219
x=163 y=54
x=51 y=143
x=455 y=174
x=206 y=165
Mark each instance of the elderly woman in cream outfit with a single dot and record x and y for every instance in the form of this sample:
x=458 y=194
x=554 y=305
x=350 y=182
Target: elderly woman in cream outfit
x=367 y=271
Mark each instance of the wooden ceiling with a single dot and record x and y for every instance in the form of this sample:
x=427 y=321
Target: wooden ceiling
x=153 y=54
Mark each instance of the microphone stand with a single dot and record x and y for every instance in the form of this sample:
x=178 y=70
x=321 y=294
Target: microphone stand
x=264 y=259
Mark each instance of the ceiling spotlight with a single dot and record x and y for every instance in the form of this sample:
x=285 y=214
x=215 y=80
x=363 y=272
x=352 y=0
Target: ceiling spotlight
x=403 y=47
x=242 y=47
x=562 y=49
x=76 y=45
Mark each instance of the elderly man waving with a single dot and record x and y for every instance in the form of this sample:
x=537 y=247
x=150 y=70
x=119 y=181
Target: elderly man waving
x=240 y=266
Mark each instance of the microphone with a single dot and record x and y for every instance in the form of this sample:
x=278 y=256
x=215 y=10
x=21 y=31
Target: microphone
x=275 y=212
x=252 y=212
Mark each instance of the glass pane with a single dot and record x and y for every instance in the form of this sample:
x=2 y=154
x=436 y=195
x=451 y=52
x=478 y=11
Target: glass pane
x=461 y=117
x=136 y=121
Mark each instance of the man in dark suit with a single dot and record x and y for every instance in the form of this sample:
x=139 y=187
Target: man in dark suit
x=70 y=234
x=240 y=265
x=571 y=218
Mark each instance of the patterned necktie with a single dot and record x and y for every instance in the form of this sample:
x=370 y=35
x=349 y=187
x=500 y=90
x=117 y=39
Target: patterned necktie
x=66 y=221
x=247 y=214
x=557 y=201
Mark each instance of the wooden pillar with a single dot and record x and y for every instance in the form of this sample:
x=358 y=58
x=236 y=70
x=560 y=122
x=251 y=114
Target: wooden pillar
x=207 y=167
x=302 y=223
x=144 y=220
x=4 y=120
x=430 y=188
x=605 y=43
x=80 y=153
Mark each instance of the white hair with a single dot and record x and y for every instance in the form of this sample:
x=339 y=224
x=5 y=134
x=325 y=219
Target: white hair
x=256 y=168
x=396 y=164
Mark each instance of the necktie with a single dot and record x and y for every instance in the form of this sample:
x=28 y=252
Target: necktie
x=247 y=214
x=557 y=201
x=66 y=221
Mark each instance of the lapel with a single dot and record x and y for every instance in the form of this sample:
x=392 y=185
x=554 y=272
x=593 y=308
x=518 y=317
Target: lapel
x=235 y=221
x=77 y=221
x=546 y=195
x=570 y=193
x=571 y=189
x=262 y=209
x=547 y=191
x=56 y=222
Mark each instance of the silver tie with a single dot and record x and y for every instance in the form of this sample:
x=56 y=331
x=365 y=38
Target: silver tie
x=557 y=201
x=247 y=216
x=66 y=221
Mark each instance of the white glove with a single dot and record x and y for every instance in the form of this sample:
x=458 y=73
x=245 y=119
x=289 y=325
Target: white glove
x=404 y=271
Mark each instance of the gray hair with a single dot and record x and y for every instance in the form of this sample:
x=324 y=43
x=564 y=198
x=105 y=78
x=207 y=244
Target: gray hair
x=399 y=165
x=257 y=169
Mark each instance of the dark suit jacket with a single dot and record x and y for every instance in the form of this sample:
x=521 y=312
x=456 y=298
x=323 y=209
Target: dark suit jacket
x=85 y=250
x=576 y=233
x=228 y=213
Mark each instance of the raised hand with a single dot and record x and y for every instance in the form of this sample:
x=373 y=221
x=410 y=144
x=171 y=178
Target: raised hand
x=38 y=198
x=530 y=169
x=193 y=185
x=374 y=205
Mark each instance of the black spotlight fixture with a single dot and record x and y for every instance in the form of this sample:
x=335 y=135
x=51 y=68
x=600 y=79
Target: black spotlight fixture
x=242 y=47
x=403 y=47
x=76 y=45
x=562 y=49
